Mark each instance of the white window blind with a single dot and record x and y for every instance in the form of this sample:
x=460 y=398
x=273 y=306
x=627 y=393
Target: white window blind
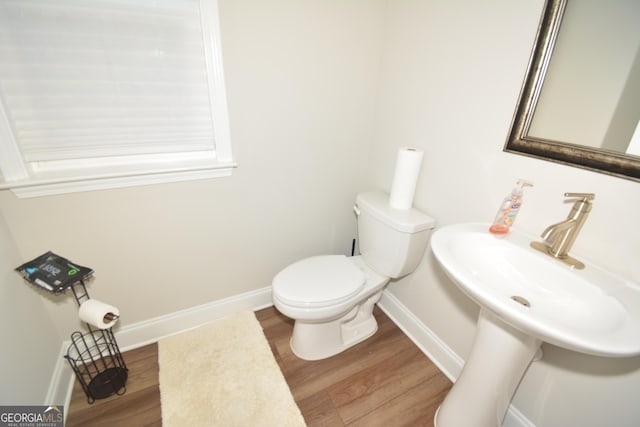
x=105 y=85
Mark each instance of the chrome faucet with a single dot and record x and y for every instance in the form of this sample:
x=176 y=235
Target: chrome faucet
x=558 y=238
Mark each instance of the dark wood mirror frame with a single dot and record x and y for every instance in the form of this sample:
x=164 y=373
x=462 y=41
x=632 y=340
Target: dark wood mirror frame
x=572 y=154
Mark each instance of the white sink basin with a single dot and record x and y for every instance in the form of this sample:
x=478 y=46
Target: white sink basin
x=589 y=311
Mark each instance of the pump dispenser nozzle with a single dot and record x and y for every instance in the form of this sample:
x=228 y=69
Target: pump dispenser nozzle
x=521 y=183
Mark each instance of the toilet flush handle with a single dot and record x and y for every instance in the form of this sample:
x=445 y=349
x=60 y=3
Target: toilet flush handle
x=356 y=210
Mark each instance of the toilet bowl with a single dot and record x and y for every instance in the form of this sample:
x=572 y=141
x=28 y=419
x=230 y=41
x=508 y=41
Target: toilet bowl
x=333 y=310
x=331 y=297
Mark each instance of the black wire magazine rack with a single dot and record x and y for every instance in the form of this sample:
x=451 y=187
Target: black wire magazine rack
x=53 y=273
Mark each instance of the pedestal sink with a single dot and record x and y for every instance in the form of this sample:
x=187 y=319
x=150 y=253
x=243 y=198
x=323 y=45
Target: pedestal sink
x=526 y=298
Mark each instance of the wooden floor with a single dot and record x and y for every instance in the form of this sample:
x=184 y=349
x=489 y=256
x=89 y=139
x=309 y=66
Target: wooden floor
x=384 y=381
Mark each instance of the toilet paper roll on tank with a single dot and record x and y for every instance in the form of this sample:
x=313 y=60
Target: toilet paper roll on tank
x=98 y=314
x=405 y=177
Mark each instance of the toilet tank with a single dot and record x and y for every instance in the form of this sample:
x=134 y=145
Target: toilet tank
x=392 y=241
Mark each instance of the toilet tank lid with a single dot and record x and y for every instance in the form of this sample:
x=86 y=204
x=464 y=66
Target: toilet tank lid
x=376 y=204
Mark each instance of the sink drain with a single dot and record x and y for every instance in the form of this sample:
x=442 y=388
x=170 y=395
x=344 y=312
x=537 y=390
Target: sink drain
x=521 y=300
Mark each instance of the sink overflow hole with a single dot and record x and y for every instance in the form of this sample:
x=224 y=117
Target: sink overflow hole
x=521 y=300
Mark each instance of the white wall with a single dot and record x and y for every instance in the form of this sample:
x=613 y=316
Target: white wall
x=301 y=82
x=450 y=82
x=30 y=342
x=304 y=79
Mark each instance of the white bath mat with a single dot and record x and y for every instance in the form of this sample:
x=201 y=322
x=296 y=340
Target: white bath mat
x=224 y=374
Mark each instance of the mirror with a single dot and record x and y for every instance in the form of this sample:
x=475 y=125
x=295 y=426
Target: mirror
x=576 y=106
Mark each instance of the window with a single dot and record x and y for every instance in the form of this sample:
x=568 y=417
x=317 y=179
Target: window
x=110 y=93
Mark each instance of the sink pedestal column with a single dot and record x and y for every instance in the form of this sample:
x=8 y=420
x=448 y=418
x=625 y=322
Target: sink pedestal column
x=499 y=358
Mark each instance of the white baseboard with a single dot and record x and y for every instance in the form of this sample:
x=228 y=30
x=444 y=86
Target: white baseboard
x=152 y=330
x=148 y=331
x=427 y=341
x=61 y=384
x=435 y=349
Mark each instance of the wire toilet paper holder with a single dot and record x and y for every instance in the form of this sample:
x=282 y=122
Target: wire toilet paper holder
x=95 y=356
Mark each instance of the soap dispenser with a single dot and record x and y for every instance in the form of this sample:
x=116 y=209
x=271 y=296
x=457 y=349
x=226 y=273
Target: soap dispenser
x=509 y=209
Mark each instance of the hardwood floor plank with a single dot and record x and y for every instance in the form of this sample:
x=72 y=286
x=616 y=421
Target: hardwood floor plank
x=319 y=411
x=373 y=387
x=384 y=381
x=413 y=408
x=386 y=373
x=277 y=329
x=141 y=408
x=306 y=377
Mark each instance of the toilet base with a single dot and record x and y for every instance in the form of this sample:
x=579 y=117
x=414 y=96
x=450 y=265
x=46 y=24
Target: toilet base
x=315 y=341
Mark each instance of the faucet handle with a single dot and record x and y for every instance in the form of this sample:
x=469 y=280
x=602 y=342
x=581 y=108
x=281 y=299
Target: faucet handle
x=585 y=197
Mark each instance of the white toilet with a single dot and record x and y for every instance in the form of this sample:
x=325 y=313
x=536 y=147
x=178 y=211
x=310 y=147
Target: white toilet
x=331 y=297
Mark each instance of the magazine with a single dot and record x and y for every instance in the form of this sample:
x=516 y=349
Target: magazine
x=53 y=272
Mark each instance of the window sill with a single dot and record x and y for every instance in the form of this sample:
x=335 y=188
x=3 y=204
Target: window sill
x=47 y=184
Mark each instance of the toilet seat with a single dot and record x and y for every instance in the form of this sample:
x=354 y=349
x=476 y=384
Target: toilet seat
x=318 y=281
